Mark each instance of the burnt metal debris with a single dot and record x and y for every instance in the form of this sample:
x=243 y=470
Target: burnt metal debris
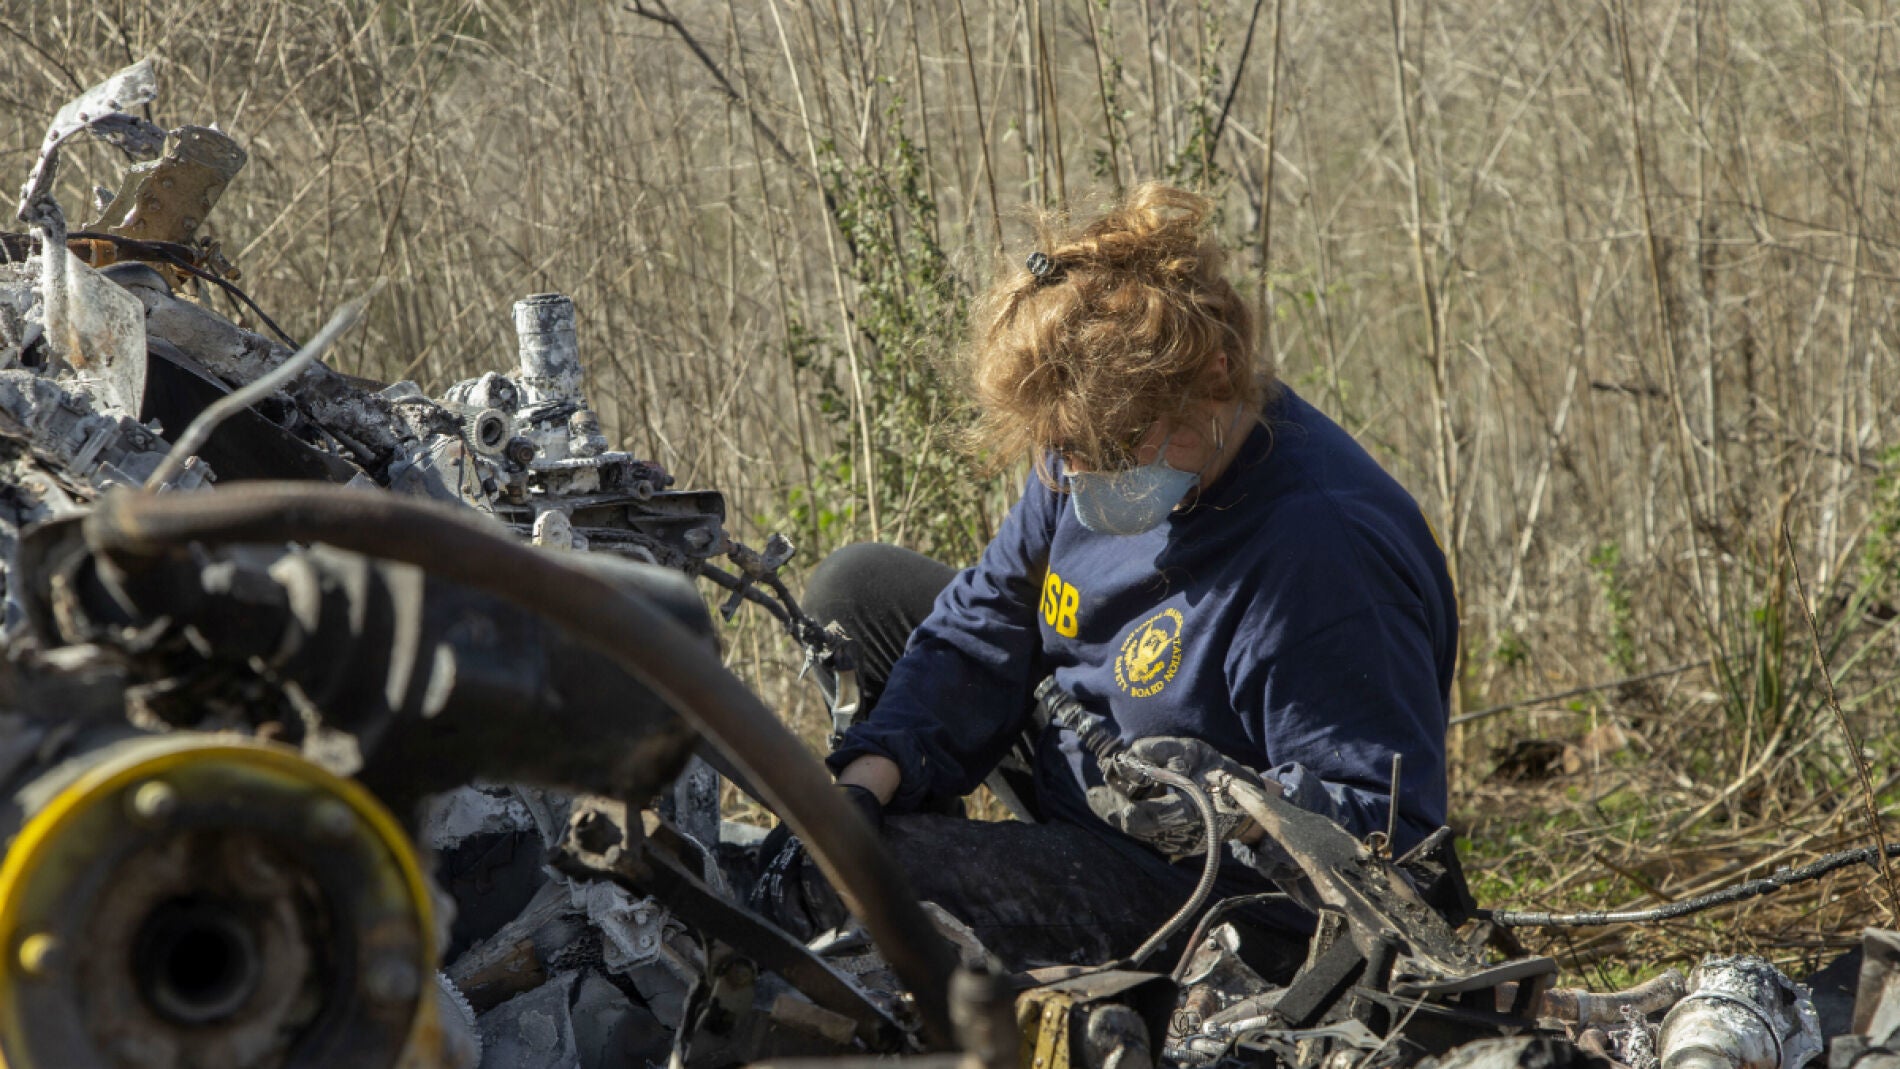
x=317 y=751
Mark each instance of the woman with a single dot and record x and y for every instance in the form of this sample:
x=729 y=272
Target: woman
x=1200 y=556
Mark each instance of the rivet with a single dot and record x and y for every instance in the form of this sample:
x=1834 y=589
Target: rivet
x=39 y=952
x=330 y=821
x=154 y=803
x=392 y=979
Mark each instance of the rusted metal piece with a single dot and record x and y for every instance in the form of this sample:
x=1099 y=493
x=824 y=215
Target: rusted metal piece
x=89 y=322
x=1383 y=908
x=94 y=325
x=600 y=844
x=1588 y=1008
x=106 y=103
x=1097 y=1020
x=516 y=958
x=169 y=198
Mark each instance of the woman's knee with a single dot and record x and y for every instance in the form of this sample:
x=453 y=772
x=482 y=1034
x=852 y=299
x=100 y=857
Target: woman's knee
x=865 y=574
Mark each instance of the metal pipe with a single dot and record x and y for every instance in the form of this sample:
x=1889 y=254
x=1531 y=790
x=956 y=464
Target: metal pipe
x=454 y=544
x=1784 y=877
x=548 y=348
x=1582 y=1007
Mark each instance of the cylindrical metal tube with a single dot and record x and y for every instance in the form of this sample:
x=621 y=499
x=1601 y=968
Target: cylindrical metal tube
x=1740 y=1013
x=197 y=893
x=549 y=348
x=1591 y=1008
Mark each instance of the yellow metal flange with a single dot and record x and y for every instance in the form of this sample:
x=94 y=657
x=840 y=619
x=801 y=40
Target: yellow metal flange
x=171 y=899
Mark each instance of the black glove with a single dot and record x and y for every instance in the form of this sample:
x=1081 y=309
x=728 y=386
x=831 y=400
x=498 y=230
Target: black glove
x=1164 y=818
x=782 y=858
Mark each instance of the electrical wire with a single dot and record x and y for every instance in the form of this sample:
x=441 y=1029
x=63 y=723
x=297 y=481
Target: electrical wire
x=179 y=256
x=1866 y=855
x=1212 y=916
x=1210 y=869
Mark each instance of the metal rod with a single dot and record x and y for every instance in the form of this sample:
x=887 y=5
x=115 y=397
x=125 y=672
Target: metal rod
x=1392 y=807
x=1506 y=918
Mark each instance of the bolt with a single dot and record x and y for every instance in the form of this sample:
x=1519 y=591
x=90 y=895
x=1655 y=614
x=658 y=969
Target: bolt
x=331 y=822
x=154 y=803
x=520 y=450
x=39 y=953
x=392 y=979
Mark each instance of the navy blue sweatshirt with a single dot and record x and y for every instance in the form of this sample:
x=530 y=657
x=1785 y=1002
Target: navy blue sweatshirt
x=1298 y=617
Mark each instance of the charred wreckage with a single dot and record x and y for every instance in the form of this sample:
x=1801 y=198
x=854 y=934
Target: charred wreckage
x=317 y=752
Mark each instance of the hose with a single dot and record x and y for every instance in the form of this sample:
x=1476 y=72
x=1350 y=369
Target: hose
x=451 y=543
x=1591 y=1009
x=1210 y=869
x=1098 y=736
x=1866 y=855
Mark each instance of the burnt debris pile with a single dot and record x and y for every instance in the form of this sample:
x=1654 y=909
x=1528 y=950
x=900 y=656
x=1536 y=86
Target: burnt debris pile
x=344 y=725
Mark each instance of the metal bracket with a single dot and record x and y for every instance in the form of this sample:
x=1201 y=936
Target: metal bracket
x=601 y=844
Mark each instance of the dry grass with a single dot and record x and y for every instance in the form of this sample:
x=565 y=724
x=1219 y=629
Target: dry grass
x=1611 y=288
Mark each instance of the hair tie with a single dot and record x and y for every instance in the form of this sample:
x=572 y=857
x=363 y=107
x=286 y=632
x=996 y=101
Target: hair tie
x=1042 y=267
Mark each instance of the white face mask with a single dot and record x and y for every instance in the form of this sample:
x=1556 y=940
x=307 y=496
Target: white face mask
x=1130 y=501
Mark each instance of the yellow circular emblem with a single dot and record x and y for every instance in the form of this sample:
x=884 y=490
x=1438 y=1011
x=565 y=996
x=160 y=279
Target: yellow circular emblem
x=1150 y=655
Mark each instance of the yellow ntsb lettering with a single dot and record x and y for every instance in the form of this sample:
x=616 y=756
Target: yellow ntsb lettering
x=1060 y=600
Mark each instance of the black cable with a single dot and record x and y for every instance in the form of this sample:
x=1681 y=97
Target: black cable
x=1866 y=855
x=1221 y=909
x=179 y=256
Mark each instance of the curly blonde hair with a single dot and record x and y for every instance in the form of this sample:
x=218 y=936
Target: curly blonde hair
x=1121 y=329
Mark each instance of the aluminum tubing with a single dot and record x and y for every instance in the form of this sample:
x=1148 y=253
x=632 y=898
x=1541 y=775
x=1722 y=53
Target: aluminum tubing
x=449 y=542
x=548 y=348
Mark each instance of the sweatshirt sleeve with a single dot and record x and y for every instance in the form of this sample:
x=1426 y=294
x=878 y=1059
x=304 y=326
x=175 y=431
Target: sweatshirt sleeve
x=960 y=694
x=1336 y=708
x=1343 y=664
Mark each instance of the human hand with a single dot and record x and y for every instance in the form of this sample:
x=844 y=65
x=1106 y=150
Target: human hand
x=1166 y=819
